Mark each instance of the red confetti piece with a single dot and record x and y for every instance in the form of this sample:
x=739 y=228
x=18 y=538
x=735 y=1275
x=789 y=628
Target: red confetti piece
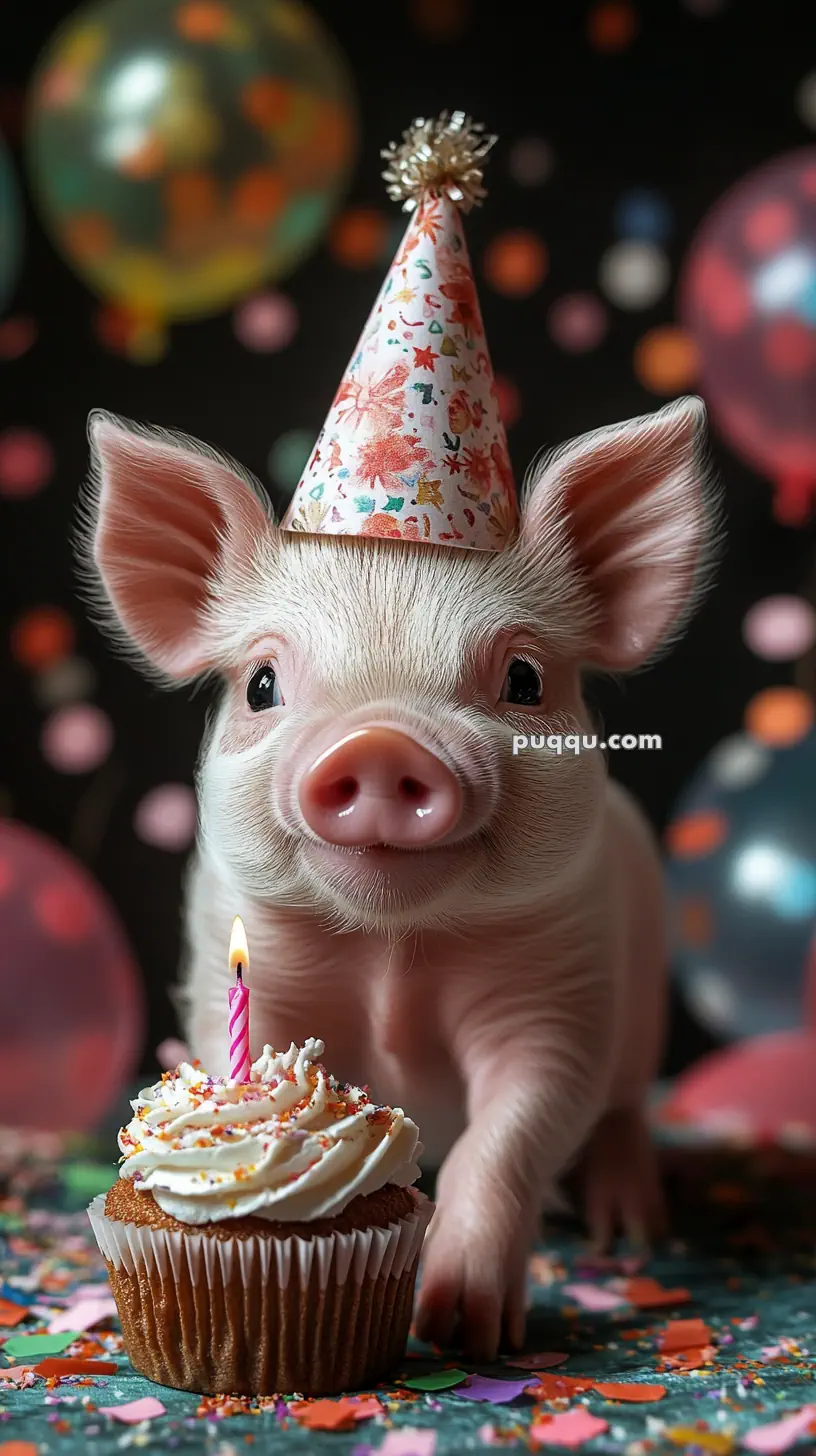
x=649 y=1294
x=326 y=1415
x=72 y=1365
x=684 y=1335
x=617 y=1390
x=11 y=1313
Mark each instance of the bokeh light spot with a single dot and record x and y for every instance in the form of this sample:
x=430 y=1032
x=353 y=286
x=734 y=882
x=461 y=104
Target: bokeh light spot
x=738 y=762
x=578 y=322
x=67 y=681
x=17 y=335
x=634 y=274
x=288 y=457
x=359 y=237
x=780 y=628
x=515 y=263
x=666 y=360
x=26 y=462
x=643 y=214
x=266 y=323
x=166 y=817
x=612 y=25
x=42 y=637
x=202 y=20
x=441 y=20
x=780 y=717
x=696 y=834
x=509 y=400
x=769 y=226
x=63 y=910
x=77 y=739
x=531 y=161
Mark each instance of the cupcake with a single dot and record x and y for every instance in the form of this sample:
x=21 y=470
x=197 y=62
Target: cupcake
x=264 y=1236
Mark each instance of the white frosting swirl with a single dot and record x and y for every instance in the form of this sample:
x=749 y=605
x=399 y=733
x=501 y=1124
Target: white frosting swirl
x=290 y=1145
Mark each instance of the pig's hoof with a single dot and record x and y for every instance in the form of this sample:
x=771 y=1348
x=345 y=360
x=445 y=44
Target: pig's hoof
x=622 y=1190
x=468 y=1301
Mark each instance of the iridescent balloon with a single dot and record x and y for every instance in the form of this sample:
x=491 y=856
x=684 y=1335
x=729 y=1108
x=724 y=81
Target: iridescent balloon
x=11 y=228
x=71 y=1001
x=748 y=297
x=742 y=882
x=184 y=152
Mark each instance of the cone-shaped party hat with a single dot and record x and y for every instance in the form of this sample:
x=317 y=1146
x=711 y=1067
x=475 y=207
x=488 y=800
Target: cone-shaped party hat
x=413 y=445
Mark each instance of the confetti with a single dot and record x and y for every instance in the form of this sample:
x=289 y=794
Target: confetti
x=11 y=1313
x=436 y=1380
x=135 y=1410
x=408 y=1443
x=683 y=1335
x=483 y=1387
x=650 y=1294
x=24 y=1345
x=325 y=1415
x=75 y=1365
x=615 y=1390
x=780 y=1435
x=719 y=1443
x=569 y=1428
x=559 y=1387
x=594 y=1297
x=83 y=1314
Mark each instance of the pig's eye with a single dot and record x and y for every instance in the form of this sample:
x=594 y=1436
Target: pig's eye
x=522 y=684
x=263 y=691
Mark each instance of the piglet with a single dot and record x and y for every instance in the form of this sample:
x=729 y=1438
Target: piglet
x=477 y=933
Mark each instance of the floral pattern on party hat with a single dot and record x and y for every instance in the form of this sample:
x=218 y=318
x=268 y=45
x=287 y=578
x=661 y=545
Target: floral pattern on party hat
x=413 y=445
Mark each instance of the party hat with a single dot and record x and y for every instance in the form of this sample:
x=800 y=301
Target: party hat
x=413 y=445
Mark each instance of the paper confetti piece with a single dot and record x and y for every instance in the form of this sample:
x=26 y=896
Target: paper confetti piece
x=483 y=1387
x=594 y=1297
x=75 y=1365
x=11 y=1294
x=780 y=1435
x=18 y=1448
x=84 y=1314
x=24 y=1345
x=15 y=1372
x=11 y=1313
x=719 y=1443
x=325 y=1415
x=365 y=1409
x=687 y=1360
x=649 y=1294
x=559 y=1387
x=569 y=1428
x=436 y=1380
x=542 y=1361
x=135 y=1410
x=408 y=1443
x=619 y=1390
x=688 y=1334
x=88 y=1291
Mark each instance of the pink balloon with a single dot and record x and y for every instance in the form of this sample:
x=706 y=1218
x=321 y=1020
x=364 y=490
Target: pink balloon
x=763 y=1088
x=71 y=1003
x=780 y=629
x=77 y=739
x=748 y=297
x=166 y=817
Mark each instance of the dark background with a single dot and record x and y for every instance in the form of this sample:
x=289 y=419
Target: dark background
x=691 y=104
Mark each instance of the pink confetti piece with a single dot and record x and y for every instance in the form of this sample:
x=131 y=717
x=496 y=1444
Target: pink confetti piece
x=569 y=1428
x=594 y=1297
x=781 y=1435
x=88 y=1291
x=135 y=1410
x=17 y=1373
x=408 y=1443
x=83 y=1315
x=365 y=1409
x=545 y=1360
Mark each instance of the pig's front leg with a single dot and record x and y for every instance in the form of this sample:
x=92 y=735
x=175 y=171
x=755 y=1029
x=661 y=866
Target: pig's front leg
x=537 y=1079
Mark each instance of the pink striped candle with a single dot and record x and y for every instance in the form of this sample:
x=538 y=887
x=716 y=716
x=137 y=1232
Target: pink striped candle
x=239 y=1004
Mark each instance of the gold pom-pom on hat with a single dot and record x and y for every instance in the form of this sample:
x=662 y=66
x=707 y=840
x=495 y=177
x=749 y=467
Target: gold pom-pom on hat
x=442 y=155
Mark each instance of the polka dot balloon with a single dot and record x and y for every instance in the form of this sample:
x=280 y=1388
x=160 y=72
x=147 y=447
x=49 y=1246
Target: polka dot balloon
x=748 y=297
x=741 y=853
x=72 y=1018
x=184 y=152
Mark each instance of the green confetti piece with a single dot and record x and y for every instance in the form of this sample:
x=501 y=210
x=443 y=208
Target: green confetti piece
x=25 y=1345
x=436 y=1380
x=85 y=1180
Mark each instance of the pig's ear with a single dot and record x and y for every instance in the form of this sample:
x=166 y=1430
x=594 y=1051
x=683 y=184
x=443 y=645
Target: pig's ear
x=633 y=502
x=164 y=519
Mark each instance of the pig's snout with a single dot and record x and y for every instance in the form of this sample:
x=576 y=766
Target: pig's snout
x=378 y=786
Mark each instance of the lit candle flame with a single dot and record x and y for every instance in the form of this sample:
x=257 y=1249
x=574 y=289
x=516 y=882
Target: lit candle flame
x=238 y=952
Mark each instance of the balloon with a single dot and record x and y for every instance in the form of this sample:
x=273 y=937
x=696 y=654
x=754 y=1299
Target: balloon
x=183 y=152
x=71 y=1005
x=11 y=227
x=742 y=882
x=748 y=296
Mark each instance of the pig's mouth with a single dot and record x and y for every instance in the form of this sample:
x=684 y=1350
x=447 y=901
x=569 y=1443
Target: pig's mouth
x=409 y=875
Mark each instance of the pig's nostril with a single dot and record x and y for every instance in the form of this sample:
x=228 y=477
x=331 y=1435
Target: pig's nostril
x=339 y=793
x=413 y=790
